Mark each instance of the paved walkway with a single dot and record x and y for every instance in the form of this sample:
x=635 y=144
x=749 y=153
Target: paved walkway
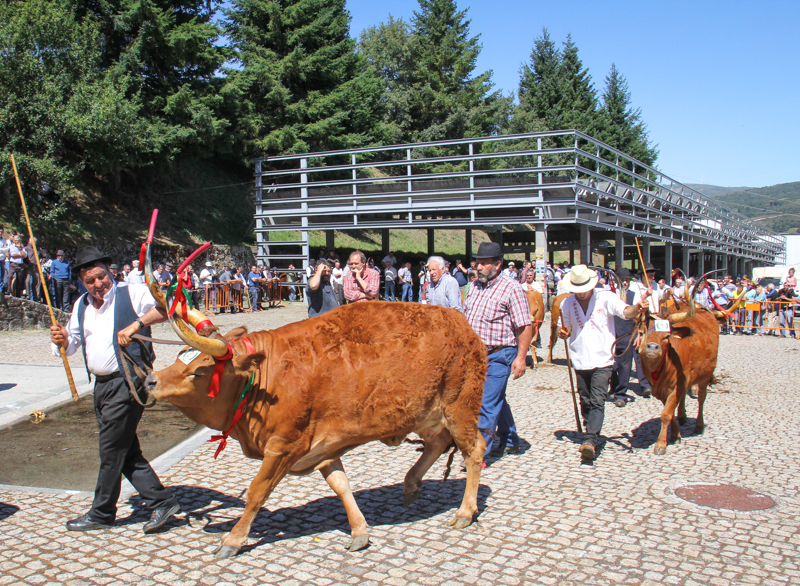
x=545 y=517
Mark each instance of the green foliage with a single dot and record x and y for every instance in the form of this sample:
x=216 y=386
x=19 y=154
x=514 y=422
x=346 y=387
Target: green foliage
x=776 y=207
x=302 y=86
x=621 y=125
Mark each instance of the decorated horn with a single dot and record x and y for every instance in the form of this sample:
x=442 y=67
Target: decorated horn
x=212 y=346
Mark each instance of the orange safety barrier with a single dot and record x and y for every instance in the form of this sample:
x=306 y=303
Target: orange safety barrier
x=223 y=296
x=766 y=310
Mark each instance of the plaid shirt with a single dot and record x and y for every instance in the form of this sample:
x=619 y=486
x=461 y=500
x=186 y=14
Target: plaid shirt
x=352 y=288
x=497 y=310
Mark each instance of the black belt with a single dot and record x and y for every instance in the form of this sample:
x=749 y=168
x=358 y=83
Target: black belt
x=104 y=378
x=492 y=349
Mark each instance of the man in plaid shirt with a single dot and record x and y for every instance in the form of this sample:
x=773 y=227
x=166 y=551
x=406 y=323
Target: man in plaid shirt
x=497 y=309
x=361 y=283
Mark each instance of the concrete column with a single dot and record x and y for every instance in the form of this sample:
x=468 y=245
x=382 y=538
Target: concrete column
x=686 y=258
x=430 y=241
x=701 y=262
x=586 y=245
x=330 y=240
x=571 y=257
x=619 y=250
x=467 y=247
x=748 y=268
x=540 y=257
x=667 y=260
x=385 y=246
x=714 y=261
x=645 y=242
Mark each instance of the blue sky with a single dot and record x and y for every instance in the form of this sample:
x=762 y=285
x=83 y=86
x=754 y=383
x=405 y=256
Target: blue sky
x=718 y=82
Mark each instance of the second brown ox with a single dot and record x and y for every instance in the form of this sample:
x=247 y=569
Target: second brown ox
x=363 y=372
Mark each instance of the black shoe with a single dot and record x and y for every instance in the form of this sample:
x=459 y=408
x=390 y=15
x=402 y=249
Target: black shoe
x=84 y=523
x=646 y=393
x=159 y=517
x=620 y=401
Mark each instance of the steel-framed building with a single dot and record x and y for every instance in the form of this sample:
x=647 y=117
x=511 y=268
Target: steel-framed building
x=573 y=189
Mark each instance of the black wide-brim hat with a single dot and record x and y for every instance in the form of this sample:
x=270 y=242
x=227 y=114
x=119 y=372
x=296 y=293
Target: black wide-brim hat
x=489 y=250
x=86 y=258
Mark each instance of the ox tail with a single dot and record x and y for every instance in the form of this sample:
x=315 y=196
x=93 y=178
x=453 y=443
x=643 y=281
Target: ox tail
x=449 y=459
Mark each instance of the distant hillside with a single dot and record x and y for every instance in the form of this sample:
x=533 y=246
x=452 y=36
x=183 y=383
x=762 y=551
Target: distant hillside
x=714 y=190
x=776 y=207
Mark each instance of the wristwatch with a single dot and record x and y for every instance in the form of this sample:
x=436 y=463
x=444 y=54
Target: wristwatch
x=139 y=321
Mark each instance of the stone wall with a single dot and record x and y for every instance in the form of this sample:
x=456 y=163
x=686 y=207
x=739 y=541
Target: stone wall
x=21 y=314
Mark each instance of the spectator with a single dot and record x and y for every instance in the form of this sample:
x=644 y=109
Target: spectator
x=207 y=274
x=322 y=254
x=321 y=295
x=157 y=272
x=226 y=277
x=4 y=243
x=640 y=288
x=166 y=277
x=135 y=277
x=740 y=314
x=31 y=273
x=406 y=280
x=511 y=271
x=126 y=272
x=16 y=268
x=194 y=286
x=790 y=279
x=361 y=283
x=59 y=273
x=390 y=258
x=337 y=278
x=113 y=269
x=461 y=274
x=497 y=310
x=424 y=278
x=443 y=290
x=390 y=278
x=291 y=277
x=254 y=280
x=526 y=266
x=772 y=294
x=333 y=256
x=530 y=283
x=760 y=298
x=788 y=296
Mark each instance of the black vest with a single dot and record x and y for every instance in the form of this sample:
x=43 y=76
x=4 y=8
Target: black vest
x=123 y=317
x=624 y=327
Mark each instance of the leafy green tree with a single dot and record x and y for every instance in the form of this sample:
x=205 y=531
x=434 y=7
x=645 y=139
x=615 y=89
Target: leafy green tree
x=621 y=125
x=60 y=114
x=302 y=86
x=169 y=51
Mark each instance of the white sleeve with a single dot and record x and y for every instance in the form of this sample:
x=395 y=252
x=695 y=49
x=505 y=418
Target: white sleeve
x=141 y=299
x=73 y=333
x=615 y=305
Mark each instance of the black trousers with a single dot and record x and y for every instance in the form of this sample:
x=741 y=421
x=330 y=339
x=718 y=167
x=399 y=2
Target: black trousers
x=593 y=390
x=118 y=416
x=61 y=294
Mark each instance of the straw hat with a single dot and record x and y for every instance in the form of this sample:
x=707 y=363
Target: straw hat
x=581 y=279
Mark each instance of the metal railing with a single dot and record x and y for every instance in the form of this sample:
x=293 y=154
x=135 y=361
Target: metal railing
x=546 y=178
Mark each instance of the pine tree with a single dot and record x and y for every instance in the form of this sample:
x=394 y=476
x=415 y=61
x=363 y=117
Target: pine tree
x=539 y=87
x=302 y=87
x=449 y=101
x=621 y=126
x=577 y=106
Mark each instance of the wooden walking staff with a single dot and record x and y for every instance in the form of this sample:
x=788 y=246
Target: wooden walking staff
x=63 y=352
x=572 y=383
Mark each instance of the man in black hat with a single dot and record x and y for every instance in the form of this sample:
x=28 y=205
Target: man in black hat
x=642 y=286
x=103 y=320
x=625 y=352
x=497 y=309
x=60 y=272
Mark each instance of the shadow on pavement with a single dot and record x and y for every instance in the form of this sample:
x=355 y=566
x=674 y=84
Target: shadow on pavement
x=7 y=386
x=380 y=506
x=6 y=510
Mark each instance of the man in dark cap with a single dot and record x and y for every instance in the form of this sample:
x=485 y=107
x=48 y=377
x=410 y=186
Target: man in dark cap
x=625 y=353
x=103 y=321
x=497 y=309
x=60 y=272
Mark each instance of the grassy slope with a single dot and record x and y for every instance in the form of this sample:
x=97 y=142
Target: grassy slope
x=776 y=207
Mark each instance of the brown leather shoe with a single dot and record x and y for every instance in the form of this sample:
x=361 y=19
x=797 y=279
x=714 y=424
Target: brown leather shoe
x=587 y=451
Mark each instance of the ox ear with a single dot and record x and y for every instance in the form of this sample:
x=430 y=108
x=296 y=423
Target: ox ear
x=677 y=334
x=248 y=362
x=236 y=333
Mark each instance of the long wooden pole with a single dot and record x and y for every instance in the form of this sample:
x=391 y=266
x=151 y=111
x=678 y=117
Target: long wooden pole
x=572 y=385
x=63 y=352
x=641 y=261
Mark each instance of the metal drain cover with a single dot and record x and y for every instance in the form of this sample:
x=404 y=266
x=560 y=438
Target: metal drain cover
x=725 y=496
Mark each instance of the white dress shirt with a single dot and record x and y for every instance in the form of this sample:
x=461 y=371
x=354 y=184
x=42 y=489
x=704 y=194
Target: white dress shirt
x=135 y=277
x=592 y=333
x=98 y=327
x=639 y=289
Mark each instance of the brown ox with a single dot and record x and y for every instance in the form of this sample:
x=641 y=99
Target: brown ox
x=555 y=315
x=674 y=361
x=536 y=303
x=322 y=386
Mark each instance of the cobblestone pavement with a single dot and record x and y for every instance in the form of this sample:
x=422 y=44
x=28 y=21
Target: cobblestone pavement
x=545 y=518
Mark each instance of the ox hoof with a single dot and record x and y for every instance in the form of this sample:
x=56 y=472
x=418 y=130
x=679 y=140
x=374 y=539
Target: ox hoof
x=699 y=429
x=410 y=498
x=678 y=440
x=660 y=450
x=682 y=420
x=225 y=551
x=459 y=523
x=358 y=542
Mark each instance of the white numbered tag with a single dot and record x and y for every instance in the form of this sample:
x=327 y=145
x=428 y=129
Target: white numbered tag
x=188 y=356
x=662 y=325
